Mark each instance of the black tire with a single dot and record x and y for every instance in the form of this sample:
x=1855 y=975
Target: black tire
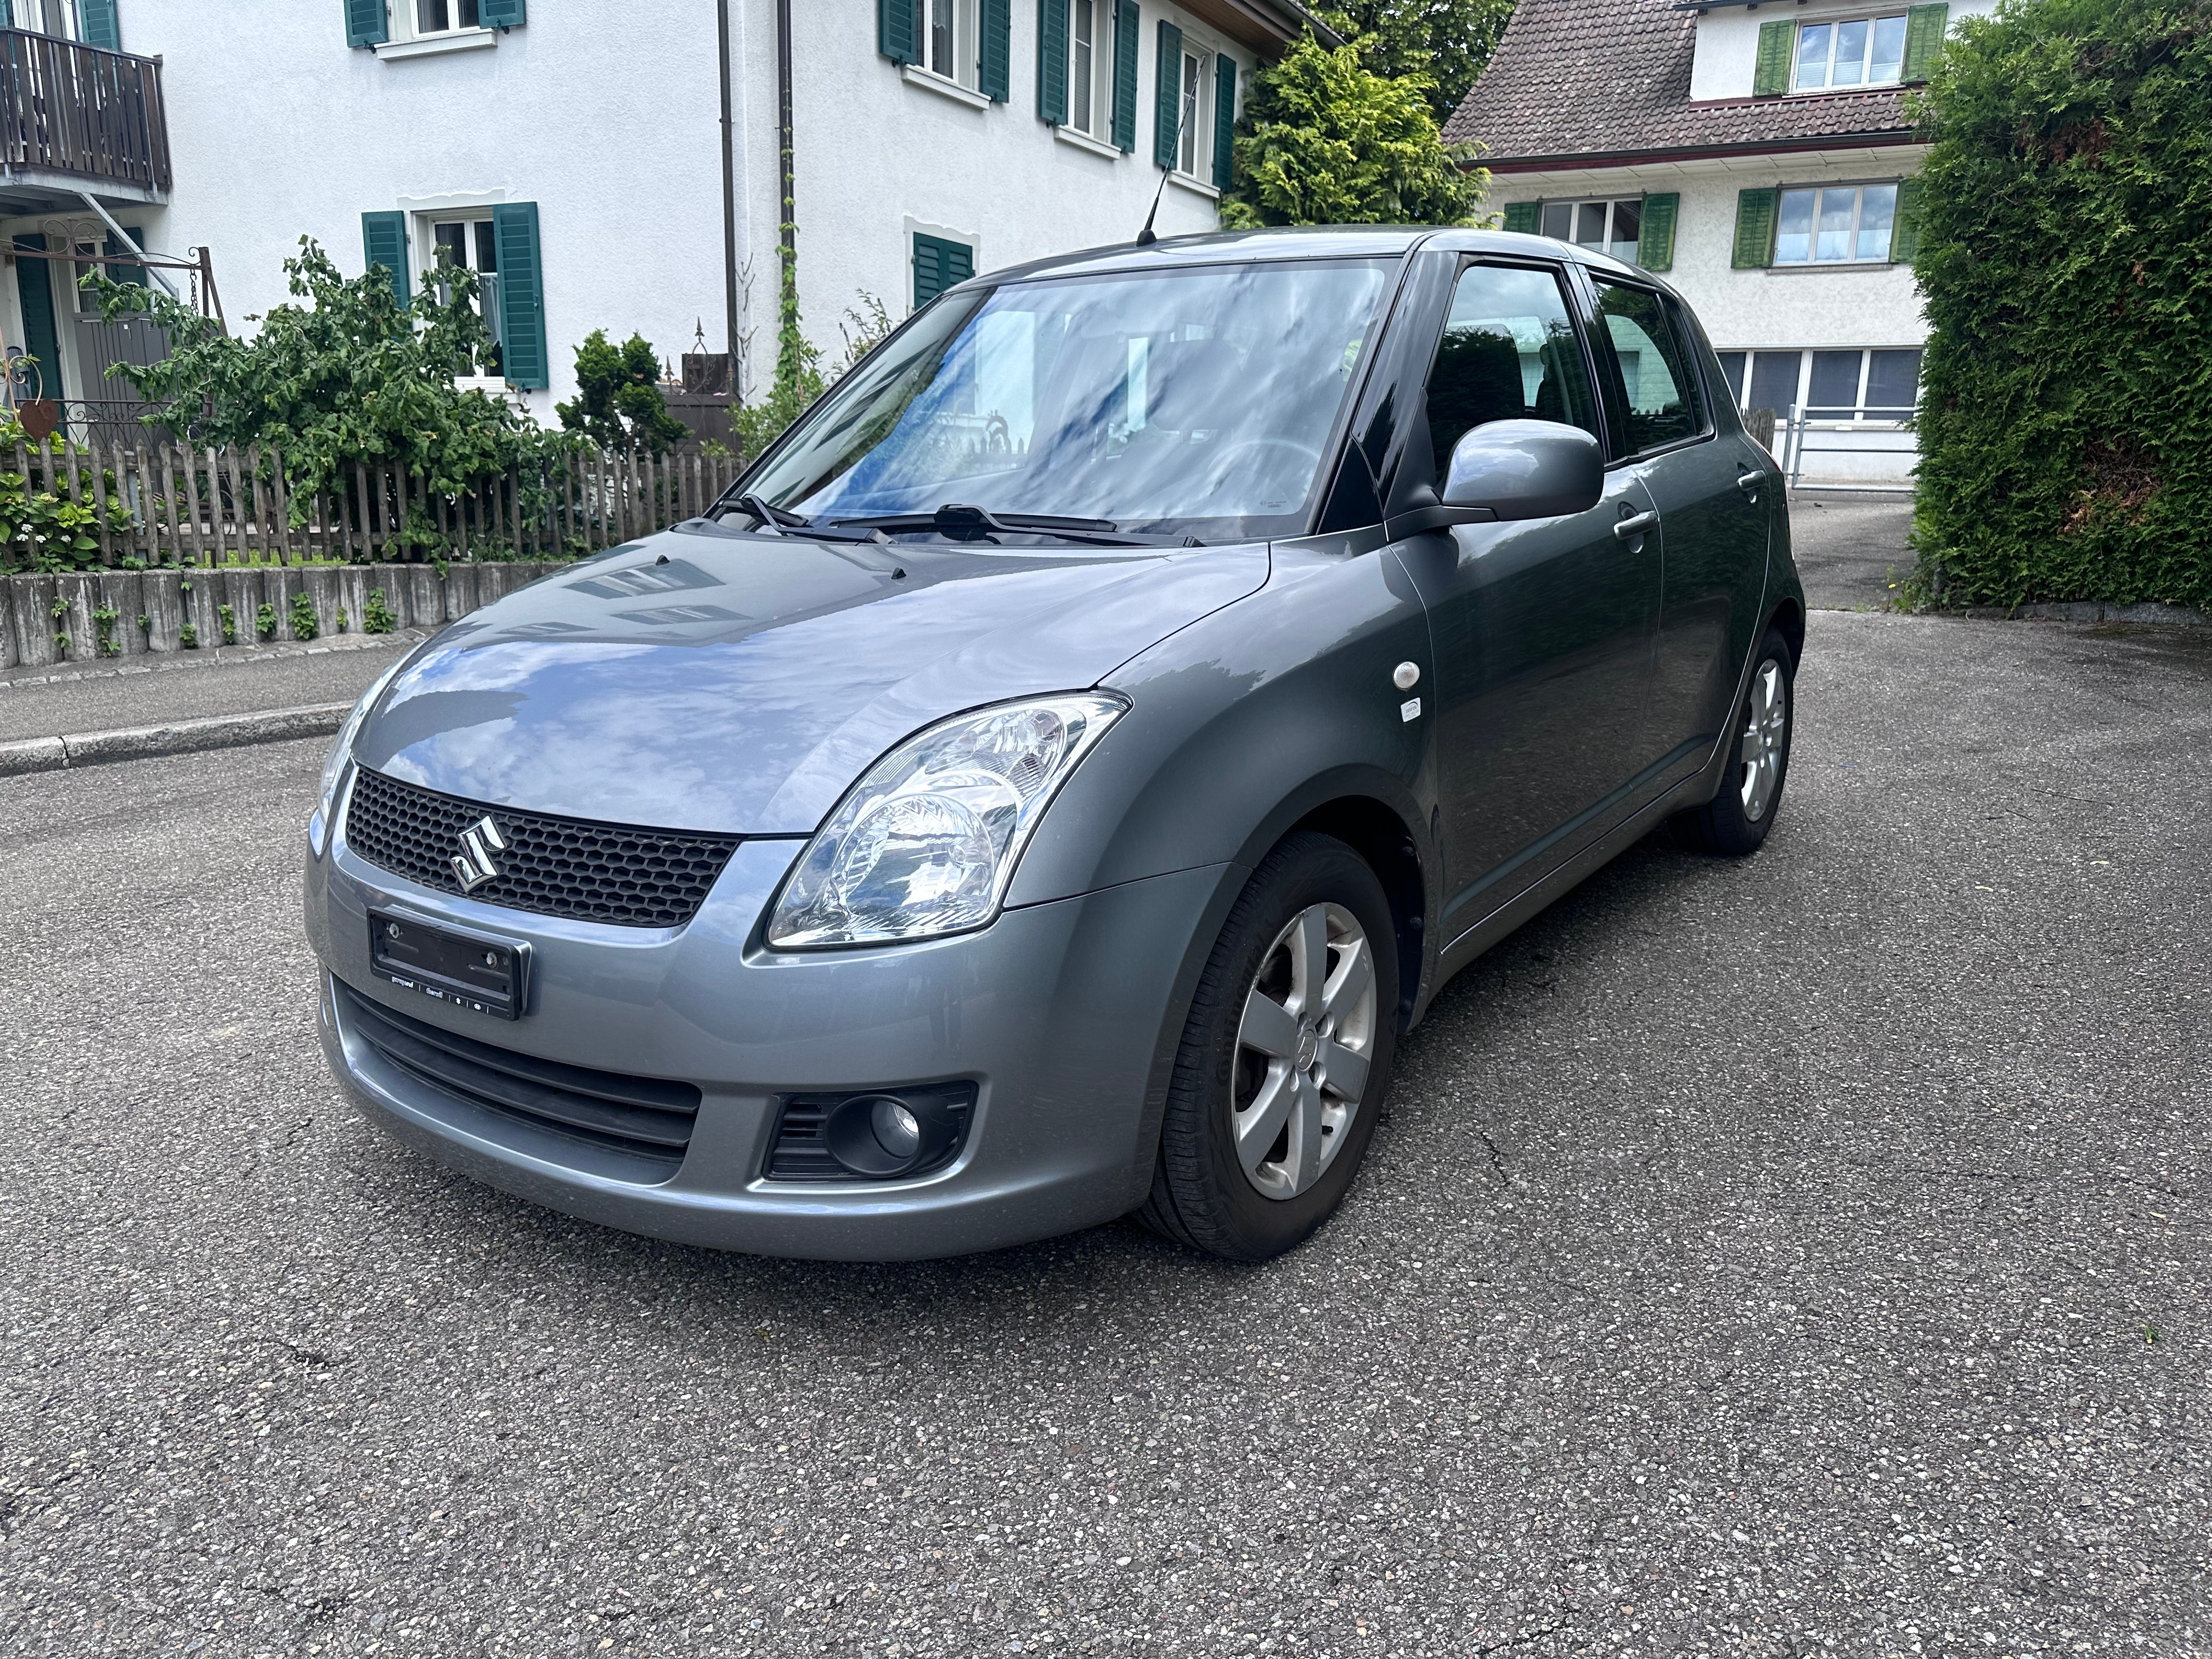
x=1725 y=824
x=1201 y=1194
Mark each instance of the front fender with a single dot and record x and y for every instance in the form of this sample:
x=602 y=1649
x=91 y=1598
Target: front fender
x=1249 y=721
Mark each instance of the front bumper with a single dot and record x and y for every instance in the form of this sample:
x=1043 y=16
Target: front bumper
x=1065 y=1015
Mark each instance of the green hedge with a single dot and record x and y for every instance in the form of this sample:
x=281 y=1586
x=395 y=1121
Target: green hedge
x=2066 y=259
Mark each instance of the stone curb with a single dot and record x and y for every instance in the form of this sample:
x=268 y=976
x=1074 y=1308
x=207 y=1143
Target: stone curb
x=175 y=738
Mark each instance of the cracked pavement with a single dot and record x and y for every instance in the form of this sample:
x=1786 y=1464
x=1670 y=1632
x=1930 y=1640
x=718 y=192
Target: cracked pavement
x=1797 y=1256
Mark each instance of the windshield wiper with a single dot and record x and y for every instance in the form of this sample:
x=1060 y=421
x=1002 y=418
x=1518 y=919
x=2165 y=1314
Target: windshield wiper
x=964 y=523
x=774 y=520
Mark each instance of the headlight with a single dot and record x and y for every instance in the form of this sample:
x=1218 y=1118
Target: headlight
x=334 y=768
x=926 y=842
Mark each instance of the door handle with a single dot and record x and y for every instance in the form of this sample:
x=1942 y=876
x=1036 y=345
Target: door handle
x=1749 y=482
x=1628 y=528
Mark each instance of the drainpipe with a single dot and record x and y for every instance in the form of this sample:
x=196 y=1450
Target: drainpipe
x=729 y=198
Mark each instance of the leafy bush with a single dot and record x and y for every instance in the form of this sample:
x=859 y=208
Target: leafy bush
x=1324 y=140
x=264 y=621
x=228 y=618
x=305 y=624
x=41 y=528
x=2068 y=384
x=377 y=616
x=618 y=399
x=352 y=376
x=1447 y=41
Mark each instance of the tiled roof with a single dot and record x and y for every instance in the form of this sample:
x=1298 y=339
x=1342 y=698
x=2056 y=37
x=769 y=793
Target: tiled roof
x=1605 y=79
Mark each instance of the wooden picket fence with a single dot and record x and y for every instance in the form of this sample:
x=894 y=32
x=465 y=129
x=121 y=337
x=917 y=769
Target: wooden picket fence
x=170 y=504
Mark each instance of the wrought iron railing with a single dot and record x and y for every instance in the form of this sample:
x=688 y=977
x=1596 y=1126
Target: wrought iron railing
x=66 y=107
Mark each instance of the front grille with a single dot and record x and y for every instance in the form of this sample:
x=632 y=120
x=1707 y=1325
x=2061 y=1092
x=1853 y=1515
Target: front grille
x=611 y=873
x=648 y=1118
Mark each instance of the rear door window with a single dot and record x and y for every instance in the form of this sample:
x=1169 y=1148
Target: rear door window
x=1652 y=381
x=1508 y=352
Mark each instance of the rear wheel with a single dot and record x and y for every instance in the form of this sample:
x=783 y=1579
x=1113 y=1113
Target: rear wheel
x=1735 y=820
x=1284 y=1058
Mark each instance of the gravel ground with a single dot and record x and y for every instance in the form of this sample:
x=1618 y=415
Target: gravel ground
x=1799 y=1256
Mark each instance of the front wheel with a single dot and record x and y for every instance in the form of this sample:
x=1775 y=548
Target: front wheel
x=1735 y=820
x=1284 y=1058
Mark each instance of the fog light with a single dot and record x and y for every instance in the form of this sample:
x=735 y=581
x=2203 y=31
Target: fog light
x=898 y=1131
x=877 y=1136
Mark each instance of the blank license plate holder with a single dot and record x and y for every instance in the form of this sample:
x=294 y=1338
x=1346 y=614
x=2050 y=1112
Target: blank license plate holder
x=482 y=973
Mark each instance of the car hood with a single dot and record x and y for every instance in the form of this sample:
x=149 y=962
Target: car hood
x=703 y=680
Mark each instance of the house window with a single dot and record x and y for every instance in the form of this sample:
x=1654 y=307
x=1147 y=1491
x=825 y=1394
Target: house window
x=950 y=40
x=470 y=244
x=1835 y=224
x=1187 y=138
x=1608 y=227
x=1878 y=386
x=1083 y=65
x=1867 y=51
x=445 y=16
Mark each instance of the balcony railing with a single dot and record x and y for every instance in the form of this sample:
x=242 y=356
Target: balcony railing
x=74 y=109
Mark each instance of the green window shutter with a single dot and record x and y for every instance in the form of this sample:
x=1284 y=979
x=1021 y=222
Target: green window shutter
x=503 y=14
x=1754 y=229
x=384 y=242
x=366 y=23
x=34 y=287
x=1052 y=61
x=1923 y=38
x=1167 y=98
x=996 y=71
x=1224 y=121
x=1523 y=217
x=97 y=24
x=1778 y=45
x=1904 y=230
x=895 y=31
x=524 y=356
x=940 y=264
x=1125 y=24
x=1655 y=249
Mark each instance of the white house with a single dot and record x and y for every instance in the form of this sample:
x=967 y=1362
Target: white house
x=616 y=167
x=1758 y=154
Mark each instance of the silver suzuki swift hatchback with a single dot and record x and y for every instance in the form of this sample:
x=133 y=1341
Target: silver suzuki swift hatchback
x=1053 y=779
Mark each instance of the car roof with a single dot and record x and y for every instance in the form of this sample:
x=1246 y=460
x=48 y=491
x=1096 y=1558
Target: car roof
x=1298 y=242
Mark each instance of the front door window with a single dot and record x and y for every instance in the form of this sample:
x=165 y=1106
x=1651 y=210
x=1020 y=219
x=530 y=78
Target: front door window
x=1508 y=352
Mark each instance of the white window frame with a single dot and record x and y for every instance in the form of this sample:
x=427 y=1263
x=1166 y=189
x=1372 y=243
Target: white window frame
x=966 y=48
x=410 y=40
x=1197 y=141
x=1574 y=207
x=424 y=232
x=1801 y=384
x=1099 y=84
x=1835 y=25
x=59 y=19
x=1858 y=188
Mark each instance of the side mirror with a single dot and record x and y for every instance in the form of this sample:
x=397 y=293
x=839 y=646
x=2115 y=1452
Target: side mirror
x=1513 y=470
x=1525 y=469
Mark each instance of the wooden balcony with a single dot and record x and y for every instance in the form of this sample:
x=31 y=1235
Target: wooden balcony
x=73 y=115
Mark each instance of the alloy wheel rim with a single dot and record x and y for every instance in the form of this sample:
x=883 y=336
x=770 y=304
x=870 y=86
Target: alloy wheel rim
x=1303 y=1047
x=1765 y=730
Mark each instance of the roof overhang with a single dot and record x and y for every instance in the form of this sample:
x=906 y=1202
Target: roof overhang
x=1265 y=26
x=43 y=190
x=1576 y=162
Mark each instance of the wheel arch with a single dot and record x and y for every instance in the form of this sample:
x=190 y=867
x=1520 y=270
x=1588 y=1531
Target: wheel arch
x=1381 y=835
x=1789 y=620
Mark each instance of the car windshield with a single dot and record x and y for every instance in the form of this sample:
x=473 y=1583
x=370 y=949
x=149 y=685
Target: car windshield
x=1193 y=402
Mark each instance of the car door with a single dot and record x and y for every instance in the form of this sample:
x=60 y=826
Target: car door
x=1710 y=492
x=1542 y=629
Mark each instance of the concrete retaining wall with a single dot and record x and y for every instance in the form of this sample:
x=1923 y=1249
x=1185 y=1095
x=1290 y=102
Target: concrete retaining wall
x=48 y=620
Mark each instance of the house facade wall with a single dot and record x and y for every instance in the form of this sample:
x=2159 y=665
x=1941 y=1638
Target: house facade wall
x=1728 y=38
x=611 y=124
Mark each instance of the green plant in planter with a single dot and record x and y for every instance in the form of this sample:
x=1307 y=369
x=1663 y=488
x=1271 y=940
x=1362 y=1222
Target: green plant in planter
x=229 y=617
x=377 y=616
x=304 y=623
x=264 y=620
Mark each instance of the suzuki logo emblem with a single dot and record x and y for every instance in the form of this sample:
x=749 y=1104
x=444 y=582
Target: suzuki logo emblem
x=474 y=867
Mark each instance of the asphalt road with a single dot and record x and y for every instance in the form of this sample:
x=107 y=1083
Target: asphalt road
x=1796 y=1256
x=1849 y=546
